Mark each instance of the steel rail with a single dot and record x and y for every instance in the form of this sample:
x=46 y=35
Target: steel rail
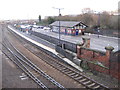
x=33 y=66
x=25 y=69
x=66 y=70
x=61 y=67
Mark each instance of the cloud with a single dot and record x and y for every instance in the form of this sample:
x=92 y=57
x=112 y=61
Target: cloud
x=28 y=9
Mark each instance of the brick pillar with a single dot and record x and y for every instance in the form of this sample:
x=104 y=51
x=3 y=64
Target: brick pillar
x=86 y=42
x=78 y=51
x=109 y=49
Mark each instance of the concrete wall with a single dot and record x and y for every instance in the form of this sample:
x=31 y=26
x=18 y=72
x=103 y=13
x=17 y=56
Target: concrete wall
x=68 y=45
x=64 y=52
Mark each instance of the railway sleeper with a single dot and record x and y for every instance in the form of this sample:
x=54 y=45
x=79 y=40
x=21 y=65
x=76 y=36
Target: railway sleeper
x=68 y=72
x=75 y=76
x=82 y=80
x=97 y=86
x=87 y=82
x=65 y=70
x=60 y=68
x=58 y=65
x=78 y=78
x=72 y=74
x=91 y=85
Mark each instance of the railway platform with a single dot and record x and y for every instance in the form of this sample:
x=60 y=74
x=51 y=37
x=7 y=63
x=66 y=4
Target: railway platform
x=45 y=45
x=95 y=42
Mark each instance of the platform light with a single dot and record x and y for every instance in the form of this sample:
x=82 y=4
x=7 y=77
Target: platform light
x=59 y=20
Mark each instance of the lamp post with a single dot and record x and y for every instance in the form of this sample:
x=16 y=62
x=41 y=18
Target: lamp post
x=98 y=23
x=59 y=20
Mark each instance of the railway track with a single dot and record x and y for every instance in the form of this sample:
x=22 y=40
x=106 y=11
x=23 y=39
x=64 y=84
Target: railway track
x=28 y=67
x=77 y=76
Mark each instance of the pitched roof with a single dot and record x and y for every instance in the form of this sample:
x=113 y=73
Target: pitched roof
x=65 y=23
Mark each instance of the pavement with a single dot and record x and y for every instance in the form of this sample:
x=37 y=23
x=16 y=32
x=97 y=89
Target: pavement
x=95 y=42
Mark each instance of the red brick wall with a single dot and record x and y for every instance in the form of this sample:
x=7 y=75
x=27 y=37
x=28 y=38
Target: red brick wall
x=98 y=68
x=114 y=69
x=91 y=55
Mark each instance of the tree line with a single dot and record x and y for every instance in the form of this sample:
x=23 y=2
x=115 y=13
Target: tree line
x=94 y=20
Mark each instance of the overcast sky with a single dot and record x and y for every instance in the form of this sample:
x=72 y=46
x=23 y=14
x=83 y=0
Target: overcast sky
x=31 y=9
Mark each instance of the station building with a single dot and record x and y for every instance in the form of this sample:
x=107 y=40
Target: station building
x=69 y=27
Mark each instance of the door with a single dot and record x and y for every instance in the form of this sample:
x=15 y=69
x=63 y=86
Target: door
x=77 y=31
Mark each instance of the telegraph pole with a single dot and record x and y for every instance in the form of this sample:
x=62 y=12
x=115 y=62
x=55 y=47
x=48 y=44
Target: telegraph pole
x=59 y=20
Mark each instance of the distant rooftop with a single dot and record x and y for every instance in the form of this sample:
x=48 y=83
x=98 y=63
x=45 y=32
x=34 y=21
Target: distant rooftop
x=66 y=23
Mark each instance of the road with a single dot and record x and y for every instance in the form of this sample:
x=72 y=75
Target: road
x=95 y=42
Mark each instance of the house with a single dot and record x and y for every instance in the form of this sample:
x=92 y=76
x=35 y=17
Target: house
x=69 y=27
